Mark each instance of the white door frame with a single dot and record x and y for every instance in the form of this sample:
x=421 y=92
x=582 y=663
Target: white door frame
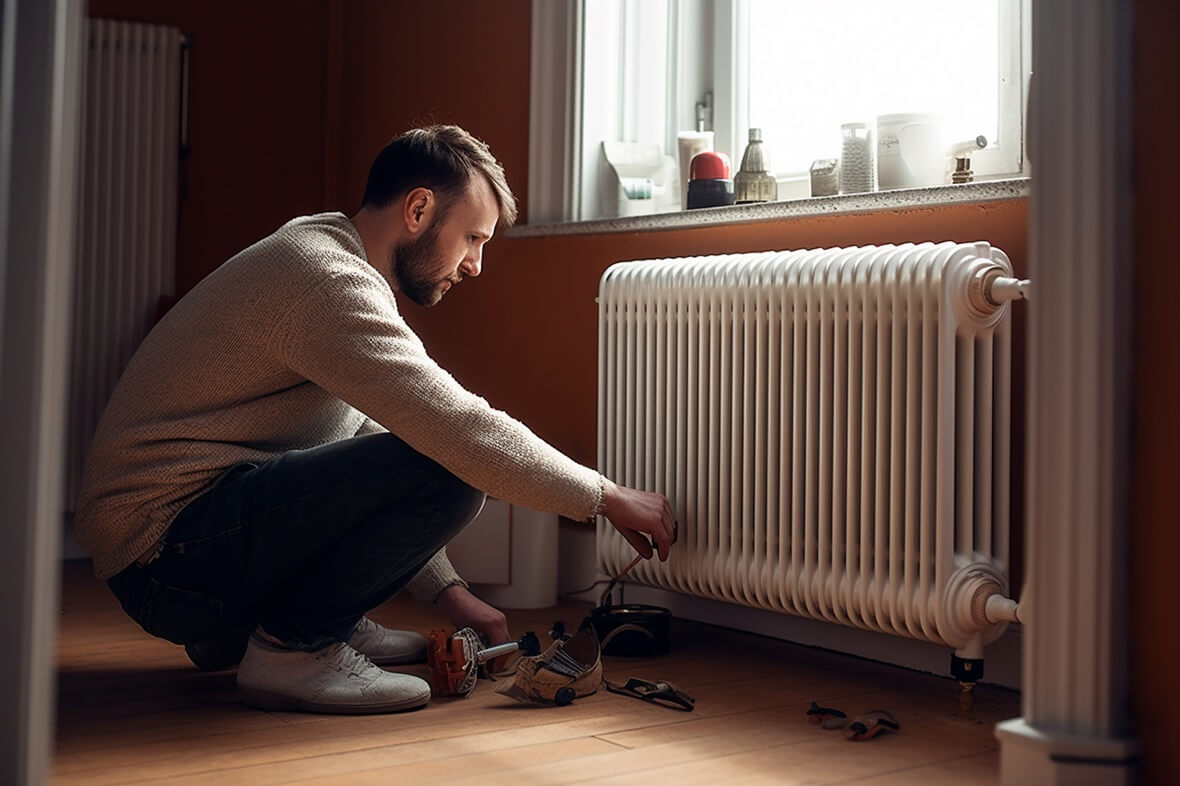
x=1076 y=727
x=40 y=91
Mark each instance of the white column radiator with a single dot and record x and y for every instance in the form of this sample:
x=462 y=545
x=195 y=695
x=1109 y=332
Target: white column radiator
x=126 y=255
x=831 y=426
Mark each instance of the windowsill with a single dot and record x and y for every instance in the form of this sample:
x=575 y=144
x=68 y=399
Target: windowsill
x=842 y=204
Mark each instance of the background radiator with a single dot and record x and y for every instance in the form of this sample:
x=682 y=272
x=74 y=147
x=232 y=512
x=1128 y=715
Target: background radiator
x=831 y=426
x=126 y=257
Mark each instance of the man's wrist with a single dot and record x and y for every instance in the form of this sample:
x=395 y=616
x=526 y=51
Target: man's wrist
x=610 y=493
x=450 y=591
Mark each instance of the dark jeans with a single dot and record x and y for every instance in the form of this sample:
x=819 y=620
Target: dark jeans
x=303 y=545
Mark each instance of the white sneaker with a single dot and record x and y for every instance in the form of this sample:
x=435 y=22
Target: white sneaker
x=387 y=647
x=336 y=679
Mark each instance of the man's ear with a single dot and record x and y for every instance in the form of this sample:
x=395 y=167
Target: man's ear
x=418 y=209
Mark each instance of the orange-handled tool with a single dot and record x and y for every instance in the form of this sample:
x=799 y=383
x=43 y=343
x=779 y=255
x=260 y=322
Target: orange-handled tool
x=454 y=659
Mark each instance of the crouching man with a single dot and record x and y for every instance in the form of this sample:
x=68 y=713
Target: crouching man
x=282 y=455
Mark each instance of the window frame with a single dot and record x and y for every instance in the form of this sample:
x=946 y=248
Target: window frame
x=568 y=78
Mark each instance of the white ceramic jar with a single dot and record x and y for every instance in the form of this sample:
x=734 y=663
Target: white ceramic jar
x=910 y=151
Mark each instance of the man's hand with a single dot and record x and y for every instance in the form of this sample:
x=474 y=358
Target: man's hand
x=467 y=611
x=635 y=513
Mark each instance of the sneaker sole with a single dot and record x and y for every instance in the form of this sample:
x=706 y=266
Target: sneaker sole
x=276 y=702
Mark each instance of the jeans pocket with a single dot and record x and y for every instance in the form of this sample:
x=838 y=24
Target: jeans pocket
x=179 y=615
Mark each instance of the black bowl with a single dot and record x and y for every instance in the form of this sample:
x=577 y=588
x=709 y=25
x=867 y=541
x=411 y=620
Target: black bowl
x=632 y=629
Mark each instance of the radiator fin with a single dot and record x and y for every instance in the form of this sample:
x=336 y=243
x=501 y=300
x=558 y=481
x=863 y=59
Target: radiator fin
x=126 y=254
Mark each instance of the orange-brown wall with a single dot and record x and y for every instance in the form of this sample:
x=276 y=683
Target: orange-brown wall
x=256 y=119
x=1155 y=448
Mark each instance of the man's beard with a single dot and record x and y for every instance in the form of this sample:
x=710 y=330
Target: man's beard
x=413 y=264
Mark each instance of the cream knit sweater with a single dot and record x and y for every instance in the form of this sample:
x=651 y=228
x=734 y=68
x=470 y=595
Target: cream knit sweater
x=290 y=345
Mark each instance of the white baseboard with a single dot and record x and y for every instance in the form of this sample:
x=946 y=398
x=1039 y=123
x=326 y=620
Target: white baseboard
x=1040 y=757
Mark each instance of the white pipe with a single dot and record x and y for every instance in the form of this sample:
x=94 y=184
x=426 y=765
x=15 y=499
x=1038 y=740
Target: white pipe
x=1001 y=609
x=972 y=650
x=1004 y=289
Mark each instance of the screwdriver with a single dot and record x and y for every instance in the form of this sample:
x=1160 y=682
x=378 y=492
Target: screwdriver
x=635 y=561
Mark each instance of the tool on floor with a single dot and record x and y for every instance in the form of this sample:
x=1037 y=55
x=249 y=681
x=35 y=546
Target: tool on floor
x=657 y=692
x=827 y=717
x=871 y=724
x=571 y=668
x=454 y=659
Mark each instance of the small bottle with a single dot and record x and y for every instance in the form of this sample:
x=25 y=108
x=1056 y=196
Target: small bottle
x=753 y=182
x=709 y=184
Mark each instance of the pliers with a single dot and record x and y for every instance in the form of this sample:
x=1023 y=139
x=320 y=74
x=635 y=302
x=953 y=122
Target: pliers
x=659 y=692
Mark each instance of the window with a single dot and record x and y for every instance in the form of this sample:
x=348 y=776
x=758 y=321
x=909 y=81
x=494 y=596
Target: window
x=640 y=71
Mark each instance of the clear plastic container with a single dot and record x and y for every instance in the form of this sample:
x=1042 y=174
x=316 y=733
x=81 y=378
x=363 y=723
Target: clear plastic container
x=858 y=165
x=825 y=177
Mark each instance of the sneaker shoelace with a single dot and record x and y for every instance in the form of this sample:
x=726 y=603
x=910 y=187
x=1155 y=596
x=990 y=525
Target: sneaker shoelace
x=344 y=658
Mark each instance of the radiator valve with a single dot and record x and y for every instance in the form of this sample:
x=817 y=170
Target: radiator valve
x=990 y=607
x=990 y=288
x=1001 y=609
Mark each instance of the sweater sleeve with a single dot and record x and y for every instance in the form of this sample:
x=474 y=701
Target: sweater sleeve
x=345 y=334
x=434 y=577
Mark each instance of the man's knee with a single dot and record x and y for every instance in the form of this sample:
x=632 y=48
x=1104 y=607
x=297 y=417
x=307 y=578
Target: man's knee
x=463 y=502
x=426 y=481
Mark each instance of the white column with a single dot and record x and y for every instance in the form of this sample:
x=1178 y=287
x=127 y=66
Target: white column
x=1075 y=726
x=40 y=87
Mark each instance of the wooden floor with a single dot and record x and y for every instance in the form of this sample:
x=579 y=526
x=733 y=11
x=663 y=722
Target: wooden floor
x=132 y=710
